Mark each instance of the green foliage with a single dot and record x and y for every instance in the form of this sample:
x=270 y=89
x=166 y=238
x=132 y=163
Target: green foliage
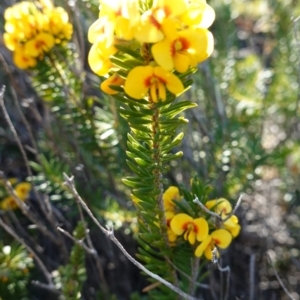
x=82 y=136
x=73 y=275
x=151 y=143
x=15 y=264
x=243 y=122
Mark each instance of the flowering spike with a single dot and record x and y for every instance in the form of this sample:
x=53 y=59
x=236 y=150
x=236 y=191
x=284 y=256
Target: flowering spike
x=32 y=31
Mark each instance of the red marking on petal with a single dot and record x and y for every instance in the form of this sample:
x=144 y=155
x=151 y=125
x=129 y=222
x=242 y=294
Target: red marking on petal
x=39 y=44
x=185 y=225
x=154 y=22
x=224 y=210
x=172 y=48
x=189 y=226
x=119 y=12
x=195 y=228
x=167 y=10
x=217 y=242
x=147 y=81
x=185 y=44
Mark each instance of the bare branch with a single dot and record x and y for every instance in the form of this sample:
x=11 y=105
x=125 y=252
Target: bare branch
x=21 y=204
x=26 y=210
x=14 y=132
x=223 y=270
x=278 y=278
x=251 y=275
x=78 y=242
x=217 y=261
x=235 y=208
x=92 y=248
x=36 y=258
x=215 y=215
x=110 y=234
x=45 y=287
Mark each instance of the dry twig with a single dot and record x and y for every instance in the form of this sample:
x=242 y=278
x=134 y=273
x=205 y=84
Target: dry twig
x=279 y=279
x=110 y=234
x=215 y=215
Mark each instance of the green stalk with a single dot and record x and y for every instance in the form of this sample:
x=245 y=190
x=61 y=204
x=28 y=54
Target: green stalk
x=158 y=178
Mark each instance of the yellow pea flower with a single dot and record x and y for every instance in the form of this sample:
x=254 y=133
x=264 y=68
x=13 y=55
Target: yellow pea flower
x=115 y=79
x=22 y=190
x=156 y=79
x=11 y=40
x=172 y=193
x=103 y=26
x=192 y=228
x=22 y=60
x=219 y=238
x=151 y=25
x=172 y=237
x=16 y=11
x=124 y=15
x=183 y=49
x=221 y=206
x=232 y=225
x=42 y=42
x=99 y=54
x=58 y=23
x=8 y=203
x=198 y=14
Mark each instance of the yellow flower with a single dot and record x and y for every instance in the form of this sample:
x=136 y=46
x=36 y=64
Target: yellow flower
x=232 y=225
x=183 y=49
x=23 y=19
x=172 y=237
x=34 y=27
x=221 y=206
x=123 y=14
x=192 y=228
x=116 y=17
x=42 y=42
x=58 y=23
x=172 y=193
x=99 y=56
x=103 y=26
x=156 y=79
x=11 y=40
x=8 y=203
x=219 y=238
x=22 y=190
x=151 y=26
x=22 y=60
x=198 y=14
x=115 y=79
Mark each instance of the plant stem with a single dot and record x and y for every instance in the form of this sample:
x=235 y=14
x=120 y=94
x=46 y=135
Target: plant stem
x=158 y=182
